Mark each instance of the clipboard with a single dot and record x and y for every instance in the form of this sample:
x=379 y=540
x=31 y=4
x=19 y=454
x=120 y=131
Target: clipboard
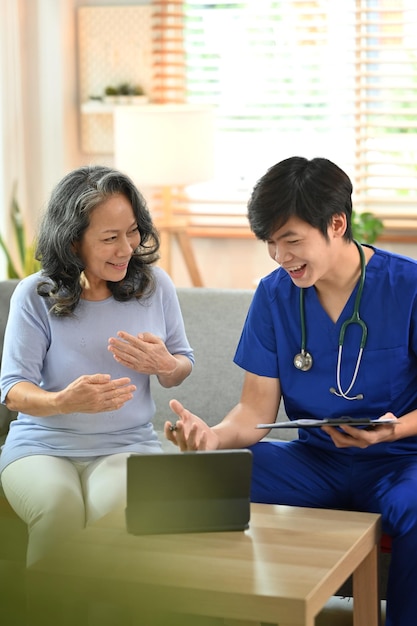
x=336 y=421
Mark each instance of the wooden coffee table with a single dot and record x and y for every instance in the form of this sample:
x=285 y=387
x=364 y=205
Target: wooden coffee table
x=282 y=570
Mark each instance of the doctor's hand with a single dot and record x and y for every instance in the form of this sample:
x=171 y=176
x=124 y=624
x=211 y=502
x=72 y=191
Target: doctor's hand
x=353 y=436
x=189 y=433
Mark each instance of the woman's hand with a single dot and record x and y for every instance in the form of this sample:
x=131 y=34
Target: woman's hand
x=352 y=436
x=147 y=354
x=93 y=393
x=189 y=431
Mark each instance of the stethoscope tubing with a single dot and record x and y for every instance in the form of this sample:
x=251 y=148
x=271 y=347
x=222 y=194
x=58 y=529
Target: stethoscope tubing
x=304 y=361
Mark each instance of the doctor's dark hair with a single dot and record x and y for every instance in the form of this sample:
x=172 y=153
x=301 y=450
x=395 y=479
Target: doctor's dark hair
x=64 y=223
x=312 y=190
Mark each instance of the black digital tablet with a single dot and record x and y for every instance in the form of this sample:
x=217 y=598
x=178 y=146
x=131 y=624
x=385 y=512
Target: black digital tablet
x=203 y=491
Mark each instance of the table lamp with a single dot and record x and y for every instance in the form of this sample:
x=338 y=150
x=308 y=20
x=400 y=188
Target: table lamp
x=166 y=146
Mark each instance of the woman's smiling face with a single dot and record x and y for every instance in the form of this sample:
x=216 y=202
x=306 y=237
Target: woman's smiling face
x=109 y=241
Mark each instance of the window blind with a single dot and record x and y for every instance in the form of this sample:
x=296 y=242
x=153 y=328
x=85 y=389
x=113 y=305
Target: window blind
x=312 y=78
x=386 y=105
x=168 y=52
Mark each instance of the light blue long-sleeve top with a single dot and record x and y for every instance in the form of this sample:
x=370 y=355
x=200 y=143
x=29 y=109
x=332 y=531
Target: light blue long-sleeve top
x=52 y=352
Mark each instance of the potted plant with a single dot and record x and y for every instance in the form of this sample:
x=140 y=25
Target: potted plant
x=26 y=263
x=124 y=92
x=366 y=227
x=138 y=95
x=110 y=94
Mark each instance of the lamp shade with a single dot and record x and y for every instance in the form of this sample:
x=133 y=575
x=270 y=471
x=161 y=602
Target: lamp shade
x=164 y=144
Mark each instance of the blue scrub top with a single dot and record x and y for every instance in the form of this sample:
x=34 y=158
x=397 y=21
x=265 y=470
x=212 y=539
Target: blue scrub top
x=387 y=375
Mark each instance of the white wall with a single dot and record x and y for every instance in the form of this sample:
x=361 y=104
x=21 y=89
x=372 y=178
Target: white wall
x=49 y=68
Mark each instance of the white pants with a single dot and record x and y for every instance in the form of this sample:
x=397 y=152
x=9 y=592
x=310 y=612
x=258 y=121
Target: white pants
x=56 y=496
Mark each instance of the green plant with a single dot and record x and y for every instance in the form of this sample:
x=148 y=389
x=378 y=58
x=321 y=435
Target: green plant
x=124 y=89
x=366 y=227
x=137 y=90
x=27 y=264
x=111 y=91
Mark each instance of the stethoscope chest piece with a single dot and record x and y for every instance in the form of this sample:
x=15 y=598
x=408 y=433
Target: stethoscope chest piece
x=303 y=361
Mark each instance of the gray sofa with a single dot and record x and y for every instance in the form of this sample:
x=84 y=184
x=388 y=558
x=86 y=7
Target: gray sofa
x=213 y=319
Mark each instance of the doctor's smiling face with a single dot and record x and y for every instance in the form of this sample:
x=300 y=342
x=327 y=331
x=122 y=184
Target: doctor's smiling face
x=304 y=252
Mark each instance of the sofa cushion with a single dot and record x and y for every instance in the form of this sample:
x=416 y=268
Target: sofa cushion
x=213 y=320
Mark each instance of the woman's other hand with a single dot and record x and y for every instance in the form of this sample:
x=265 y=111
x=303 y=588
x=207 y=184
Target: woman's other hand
x=147 y=354
x=93 y=393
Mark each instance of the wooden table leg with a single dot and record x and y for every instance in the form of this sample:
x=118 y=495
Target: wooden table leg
x=366 y=601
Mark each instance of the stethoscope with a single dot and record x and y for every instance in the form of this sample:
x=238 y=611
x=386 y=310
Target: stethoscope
x=303 y=360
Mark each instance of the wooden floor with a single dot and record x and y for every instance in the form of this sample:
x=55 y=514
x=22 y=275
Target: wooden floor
x=338 y=612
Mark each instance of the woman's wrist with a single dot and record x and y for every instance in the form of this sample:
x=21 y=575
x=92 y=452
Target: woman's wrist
x=182 y=368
